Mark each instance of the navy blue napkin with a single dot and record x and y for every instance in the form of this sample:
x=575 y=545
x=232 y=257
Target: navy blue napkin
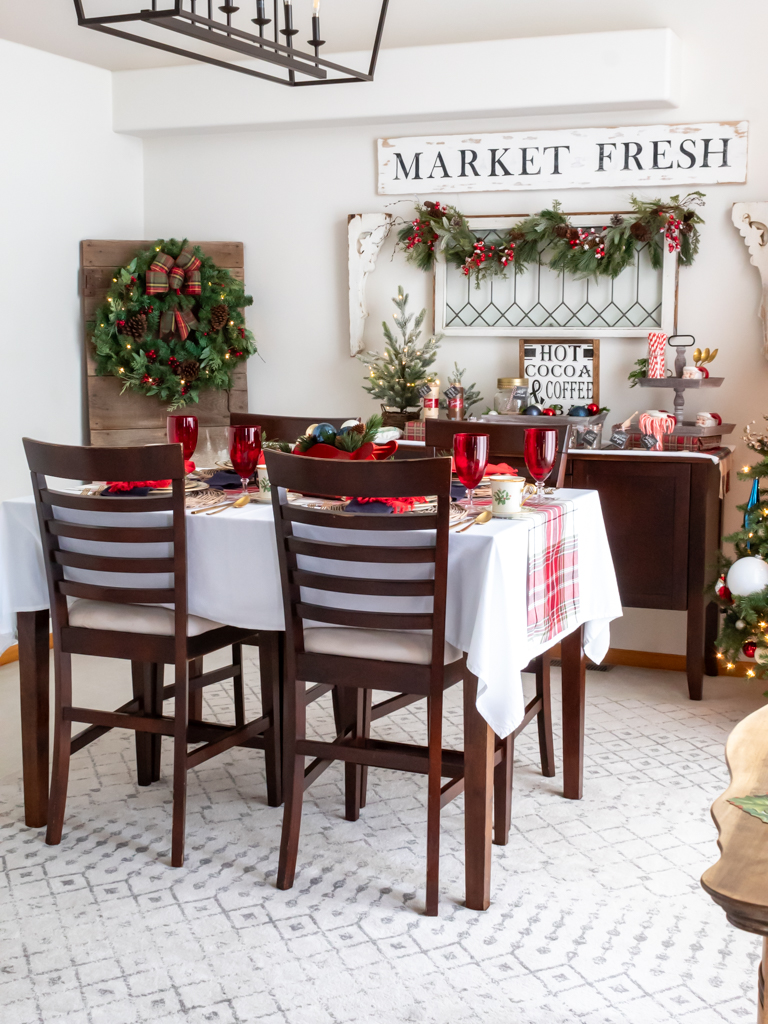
x=379 y=507
x=225 y=480
x=458 y=491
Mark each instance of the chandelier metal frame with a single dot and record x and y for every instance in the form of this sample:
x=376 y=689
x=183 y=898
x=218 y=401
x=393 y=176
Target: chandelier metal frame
x=181 y=17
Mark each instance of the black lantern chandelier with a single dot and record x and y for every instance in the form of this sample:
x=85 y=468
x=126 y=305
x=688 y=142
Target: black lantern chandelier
x=213 y=29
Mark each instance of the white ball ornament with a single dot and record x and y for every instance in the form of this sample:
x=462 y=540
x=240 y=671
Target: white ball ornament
x=747 y=576
x=740 y=624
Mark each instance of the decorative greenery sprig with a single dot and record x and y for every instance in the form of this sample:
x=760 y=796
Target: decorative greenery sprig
x=471 y=395
x=604 y=252
x=397 y=374
x=129 y=345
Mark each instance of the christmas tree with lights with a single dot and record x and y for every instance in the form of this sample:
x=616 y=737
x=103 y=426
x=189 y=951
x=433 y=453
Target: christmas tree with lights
x=741 y=589
x=396 y=376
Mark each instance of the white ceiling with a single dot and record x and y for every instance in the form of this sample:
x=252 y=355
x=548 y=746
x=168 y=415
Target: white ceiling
x=52 y=25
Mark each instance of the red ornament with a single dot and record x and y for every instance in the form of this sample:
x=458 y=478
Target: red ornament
x=749 y=648
x=548 y=412
x=722 y=591
x=593 y=409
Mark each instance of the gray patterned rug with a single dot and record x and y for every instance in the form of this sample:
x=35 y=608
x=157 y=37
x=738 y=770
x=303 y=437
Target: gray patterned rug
x=597 y=912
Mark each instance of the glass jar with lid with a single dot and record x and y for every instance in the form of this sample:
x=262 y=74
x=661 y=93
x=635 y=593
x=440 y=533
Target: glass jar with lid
x=510 y=398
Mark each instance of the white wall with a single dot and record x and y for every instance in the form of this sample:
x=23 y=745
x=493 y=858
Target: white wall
x=64 y=176
x=287 y=194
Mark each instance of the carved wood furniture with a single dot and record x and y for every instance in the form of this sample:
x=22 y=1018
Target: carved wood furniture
x=506 y=441
x=738 y=882
x=663 y=515
x=117 y=620
x=132 y=418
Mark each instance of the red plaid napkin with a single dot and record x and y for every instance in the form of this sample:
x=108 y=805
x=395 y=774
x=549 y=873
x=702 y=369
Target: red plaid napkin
x=553 y=570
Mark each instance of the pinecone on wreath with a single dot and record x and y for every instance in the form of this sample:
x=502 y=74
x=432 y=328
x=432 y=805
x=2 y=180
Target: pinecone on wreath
x=188 y=370
x=219 y=317
x=641 y=231
x=561 y=230
x=135 y=326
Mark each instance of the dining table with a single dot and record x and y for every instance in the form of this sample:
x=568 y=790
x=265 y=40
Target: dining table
x=516 y=588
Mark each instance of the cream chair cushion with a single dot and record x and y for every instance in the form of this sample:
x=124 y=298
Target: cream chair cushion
x=375 y=644
x=133 y=618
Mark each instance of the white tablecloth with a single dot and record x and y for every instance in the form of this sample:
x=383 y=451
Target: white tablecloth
x=233 y=577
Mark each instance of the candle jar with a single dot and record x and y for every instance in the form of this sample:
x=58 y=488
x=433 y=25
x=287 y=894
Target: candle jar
x=431 y=403
x=512 y=395
x=456 y=404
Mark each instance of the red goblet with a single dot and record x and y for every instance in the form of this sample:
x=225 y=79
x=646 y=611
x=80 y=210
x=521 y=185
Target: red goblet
x=183 y=430
x=470 y=456
x=540 y=452
x=244 y=451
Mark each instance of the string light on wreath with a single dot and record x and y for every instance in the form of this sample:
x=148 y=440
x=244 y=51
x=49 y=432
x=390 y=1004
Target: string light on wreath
x=172 y=324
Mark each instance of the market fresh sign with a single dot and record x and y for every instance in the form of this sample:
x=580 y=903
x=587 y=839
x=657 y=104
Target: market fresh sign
x=678 y=154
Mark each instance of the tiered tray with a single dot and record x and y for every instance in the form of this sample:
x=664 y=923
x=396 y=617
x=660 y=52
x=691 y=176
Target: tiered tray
x=680 y=385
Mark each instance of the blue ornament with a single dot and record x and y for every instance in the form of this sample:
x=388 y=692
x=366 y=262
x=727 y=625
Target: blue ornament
x=578 y=410
x=532 y=410
x=753 y=507
x=325 y=433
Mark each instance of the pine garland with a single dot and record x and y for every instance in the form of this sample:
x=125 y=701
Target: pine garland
x=396 y=376
x=746 y=617
x=128 y=343
x=601 y=252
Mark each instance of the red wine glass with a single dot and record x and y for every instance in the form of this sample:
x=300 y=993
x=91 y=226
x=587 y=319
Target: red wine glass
x=470 y=456
x=540 y=452
x=183 y=430
x=244 y=451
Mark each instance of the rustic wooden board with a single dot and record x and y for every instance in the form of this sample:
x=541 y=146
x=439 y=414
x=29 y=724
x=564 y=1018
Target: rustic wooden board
x=116 y=419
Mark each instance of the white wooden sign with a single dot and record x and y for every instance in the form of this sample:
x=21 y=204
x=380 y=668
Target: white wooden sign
x=679 y=154
x=564 y=372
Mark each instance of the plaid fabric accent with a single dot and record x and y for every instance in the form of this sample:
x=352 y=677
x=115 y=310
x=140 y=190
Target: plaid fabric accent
x=677 y=443
x=167 y=322
x=185 y=320
x=194 y=285
x=553 y=570
x=415 y=430
x=187 y=260
x=176 y=279
x=157 y=275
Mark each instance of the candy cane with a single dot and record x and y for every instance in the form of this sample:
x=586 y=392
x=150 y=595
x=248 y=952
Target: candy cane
x=657 y=341
x=658 y=426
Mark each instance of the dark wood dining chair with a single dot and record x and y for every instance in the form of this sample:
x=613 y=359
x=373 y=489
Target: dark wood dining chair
x=283 y=428
x=114 y=615
x=360 y=651
x=507 y=441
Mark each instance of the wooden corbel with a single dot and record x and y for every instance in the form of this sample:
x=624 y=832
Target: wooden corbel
x=366 y=234
x=751 y=219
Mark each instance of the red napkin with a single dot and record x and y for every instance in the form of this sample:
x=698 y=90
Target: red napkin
x=502 y=467
x=128 y=485
x=398 y=504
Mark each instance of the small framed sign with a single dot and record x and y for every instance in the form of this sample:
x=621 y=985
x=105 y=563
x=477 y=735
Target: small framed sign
x=565 y=372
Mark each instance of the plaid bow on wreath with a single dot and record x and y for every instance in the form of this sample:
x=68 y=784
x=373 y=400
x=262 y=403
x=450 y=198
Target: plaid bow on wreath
x=166 y=274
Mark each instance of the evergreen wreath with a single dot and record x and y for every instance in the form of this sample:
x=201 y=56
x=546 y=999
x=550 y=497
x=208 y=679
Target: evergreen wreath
x=602 y=252
x=172 y=324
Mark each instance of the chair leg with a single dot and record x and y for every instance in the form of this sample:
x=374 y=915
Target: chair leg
x=544 y=717
x=502 y=791
x=62 y=742
x=270 y=670
x=348 y=705
x=196 y=697
x=181 y=720
x=239 y=686
x=157 y=672
x=295 y=712
x=367 y=703
x=435 y=727
x=141 y=678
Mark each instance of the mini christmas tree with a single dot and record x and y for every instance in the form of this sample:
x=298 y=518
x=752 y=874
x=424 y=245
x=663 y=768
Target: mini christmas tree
x=745 y=626
x=396 y=376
